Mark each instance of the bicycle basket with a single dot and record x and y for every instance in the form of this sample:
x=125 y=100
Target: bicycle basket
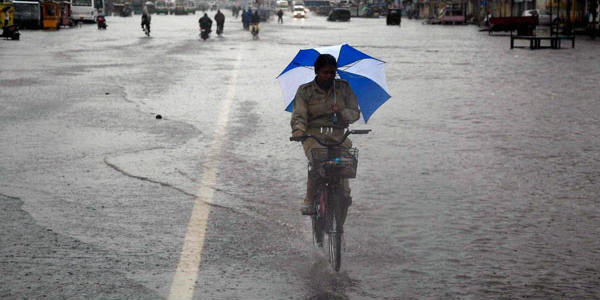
x=343 y=162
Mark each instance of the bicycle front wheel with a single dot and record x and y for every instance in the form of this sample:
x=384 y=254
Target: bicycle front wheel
x=318 y=220
x=336 y=231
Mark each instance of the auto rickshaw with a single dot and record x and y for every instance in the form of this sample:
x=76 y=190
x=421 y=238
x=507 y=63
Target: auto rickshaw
x=50 y=15
x=65 y=13
x=394 y=16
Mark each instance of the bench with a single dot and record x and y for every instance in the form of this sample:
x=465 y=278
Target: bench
x=523 y=25
x=536 y=41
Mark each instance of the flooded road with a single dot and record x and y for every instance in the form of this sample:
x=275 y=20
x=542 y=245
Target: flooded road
x=480 y=179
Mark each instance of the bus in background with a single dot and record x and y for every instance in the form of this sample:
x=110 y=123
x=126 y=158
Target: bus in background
x=162 y=7
x=28 y=14
x=190 y=7
x=137 y=6
x=180 y=8
x=283 y=4
x=86 y=10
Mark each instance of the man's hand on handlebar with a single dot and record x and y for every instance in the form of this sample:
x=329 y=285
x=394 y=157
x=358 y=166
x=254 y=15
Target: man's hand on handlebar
x=299 y=136
x=336 y=108
x=298 y=133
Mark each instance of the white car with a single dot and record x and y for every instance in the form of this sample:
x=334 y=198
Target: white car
x=543 y=16
x=299 y=11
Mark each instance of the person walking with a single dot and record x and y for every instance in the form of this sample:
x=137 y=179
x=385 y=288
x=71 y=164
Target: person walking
x=280 y=16
x=220 y=19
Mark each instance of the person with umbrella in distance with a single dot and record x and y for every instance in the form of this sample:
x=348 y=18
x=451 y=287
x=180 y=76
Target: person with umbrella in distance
x=323 y=107
x=146 y=19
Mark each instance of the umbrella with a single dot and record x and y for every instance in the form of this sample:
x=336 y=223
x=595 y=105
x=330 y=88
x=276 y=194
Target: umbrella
x=365 y=74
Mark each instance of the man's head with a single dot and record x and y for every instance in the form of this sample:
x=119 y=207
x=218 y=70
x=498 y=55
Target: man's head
x=325 y=69
x=205 y=14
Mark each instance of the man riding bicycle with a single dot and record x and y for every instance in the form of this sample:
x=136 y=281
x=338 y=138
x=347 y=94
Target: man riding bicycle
x=323 y=107
x=146 y=18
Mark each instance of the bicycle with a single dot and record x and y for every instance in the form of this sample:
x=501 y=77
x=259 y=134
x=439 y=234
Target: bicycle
x=330 y=206
x=146 y=28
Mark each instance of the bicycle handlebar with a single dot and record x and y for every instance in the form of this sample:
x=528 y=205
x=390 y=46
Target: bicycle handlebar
x=348 y=132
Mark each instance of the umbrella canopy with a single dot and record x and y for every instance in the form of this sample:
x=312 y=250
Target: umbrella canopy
x=365 y=74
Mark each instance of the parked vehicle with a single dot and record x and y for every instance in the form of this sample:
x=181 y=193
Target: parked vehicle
x=28 y=14
x=314 y=5
x=180 y=8
x=299 y=11
x=542 y=15
x=86 y=10
x=189 y=6
x=339 y=14
x=64 y=8
x=50 y=15
x=161 y=7
x=394 y=16
x=282 y=4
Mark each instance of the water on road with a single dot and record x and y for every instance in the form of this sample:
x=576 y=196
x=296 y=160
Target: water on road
x=479 y=180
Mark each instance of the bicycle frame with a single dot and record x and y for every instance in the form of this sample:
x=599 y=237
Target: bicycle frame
x=329 y=213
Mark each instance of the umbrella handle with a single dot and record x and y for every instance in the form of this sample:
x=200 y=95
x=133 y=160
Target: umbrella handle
x=334 y=103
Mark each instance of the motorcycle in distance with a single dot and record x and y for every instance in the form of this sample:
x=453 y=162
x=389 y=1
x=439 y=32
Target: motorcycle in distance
x=11 y=32
x=204 y=32
x=101 y=20
x=205 y=24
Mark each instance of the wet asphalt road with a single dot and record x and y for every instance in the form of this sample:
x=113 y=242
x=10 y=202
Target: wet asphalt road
x=480 y=179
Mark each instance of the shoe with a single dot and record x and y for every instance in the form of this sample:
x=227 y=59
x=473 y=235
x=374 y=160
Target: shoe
x=307 y=210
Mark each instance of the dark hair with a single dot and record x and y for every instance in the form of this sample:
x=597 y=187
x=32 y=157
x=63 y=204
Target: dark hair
x=324 y=60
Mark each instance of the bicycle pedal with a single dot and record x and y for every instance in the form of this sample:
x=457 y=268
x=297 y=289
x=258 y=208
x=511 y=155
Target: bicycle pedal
x=307 y=212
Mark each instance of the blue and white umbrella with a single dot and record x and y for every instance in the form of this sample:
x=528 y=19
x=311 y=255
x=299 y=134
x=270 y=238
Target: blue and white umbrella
x=365 y=74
